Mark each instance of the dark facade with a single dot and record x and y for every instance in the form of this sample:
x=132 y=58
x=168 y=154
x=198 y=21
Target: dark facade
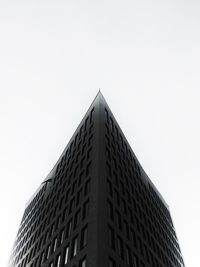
x=97 y=207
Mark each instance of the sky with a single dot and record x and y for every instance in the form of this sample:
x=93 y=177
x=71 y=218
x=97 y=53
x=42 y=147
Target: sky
x=145 y=58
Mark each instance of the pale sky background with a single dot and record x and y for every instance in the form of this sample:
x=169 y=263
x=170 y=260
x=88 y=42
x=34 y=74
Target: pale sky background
x=145 y=57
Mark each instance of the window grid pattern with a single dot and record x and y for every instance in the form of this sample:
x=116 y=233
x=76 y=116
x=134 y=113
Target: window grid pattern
x=61 y=205
x=144 y=226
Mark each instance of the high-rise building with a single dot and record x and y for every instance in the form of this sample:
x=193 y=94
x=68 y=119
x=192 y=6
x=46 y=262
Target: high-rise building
x=97 y=207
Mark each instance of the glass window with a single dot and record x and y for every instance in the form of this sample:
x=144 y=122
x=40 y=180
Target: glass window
x=135 y=261
x=84 y=233
x=69 y=227
x=87 y=187
x=42 y=259
x=112 y=263
x=85 y=209
x=128 y=256
x=77 y=218
x=55 y=244
x=61 y=236
x=78 y=196
x=58 y=261
x=82 y=263
x=48 y=251
x=120 y=247
x=110 y=210
x=66 y=254
x=74 y=246
x=71 y=207
x=111 y=237
x=109 y=187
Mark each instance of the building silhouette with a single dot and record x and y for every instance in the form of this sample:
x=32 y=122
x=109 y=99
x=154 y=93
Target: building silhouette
x=97 y=207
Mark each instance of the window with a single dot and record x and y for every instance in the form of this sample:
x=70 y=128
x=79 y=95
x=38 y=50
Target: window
x=52 y=229
x=66 y=254
x=71 y=205
x=73 y=187
x=135 y=261
x=78 y=197
x=124 y=206
x=126 y=229
x=58 y=222
x=108 y=168
x=111 y=237
x=85 y=209
x=89 y=164
x=82 y=262
x=140 y=246
x=74 y=247
x=89 y=153
x=120 y=246
x=128 y=256
x=117 y=198
x=55 y=244
x=119 y=220
x=77 y=218
x=58 y=261
x=110 y=210
x=112 y=263
x=80 y=177
x=42 y=259
x=147 y=253
x=109 y=187
x=69 y=227
x=133 y=238
x=130 y=215
x=87 y=187
x=84 y=233
x=46 y=237
x=61 y=237
x=48 y=251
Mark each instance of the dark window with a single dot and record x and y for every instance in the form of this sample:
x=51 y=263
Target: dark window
x=48 y=251
x=77 y=218
x=71 y=207
x=61 y=236
x=112 y=263
x=126 y=229
x=82 y=262
x=58 y=261
x=135 y=261
x=69 y=228
x=85 y=209
x=84 y=234
x=119 y=221
x=55 y=244
x=128 y=256
x=66 y=254
x=78 y=197
x=42 y=258
x=74 y=247
x=110 y=210
x=87 y=187
x=109 y=187
x=88 y=168
x=120 y=247
x=111 y=237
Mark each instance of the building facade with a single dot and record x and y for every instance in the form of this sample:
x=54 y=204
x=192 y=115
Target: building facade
x=97 y=207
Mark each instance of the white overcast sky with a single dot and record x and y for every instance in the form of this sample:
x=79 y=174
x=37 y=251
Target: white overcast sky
x=145 y=57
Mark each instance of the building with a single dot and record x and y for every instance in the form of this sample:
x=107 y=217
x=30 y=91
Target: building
x=97 y=207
